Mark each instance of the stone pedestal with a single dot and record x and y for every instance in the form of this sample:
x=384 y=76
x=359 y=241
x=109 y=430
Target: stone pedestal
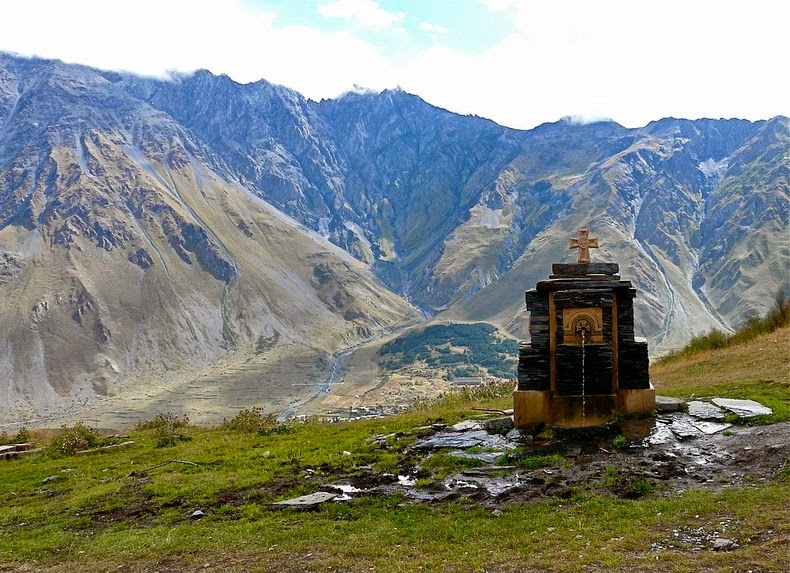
x=583 y=364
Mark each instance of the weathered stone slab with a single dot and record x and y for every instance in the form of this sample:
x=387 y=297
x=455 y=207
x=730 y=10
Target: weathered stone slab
x=705 y=411
x=744 y=408
x=669 y=404
x=710 y=428
x=581 y=284
x=683 y=429
x=583 y=269
x=501 y=425
x=486 y=470
x=497 y=442
x=466 y=426
x=721 y=544
x=486 y=457
x=304 y=502
x=453 y=440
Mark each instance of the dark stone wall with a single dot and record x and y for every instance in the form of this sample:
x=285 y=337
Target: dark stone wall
x=533 y=364
x=533 y=368
x=538 y=306
x=533 y=359
x=597 y=369
x=633 y=372
x=625 y=315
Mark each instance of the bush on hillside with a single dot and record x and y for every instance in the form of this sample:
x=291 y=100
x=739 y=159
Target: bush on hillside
x=167 y=427
x=22 y=436
x=254 y=421
x=68 y=441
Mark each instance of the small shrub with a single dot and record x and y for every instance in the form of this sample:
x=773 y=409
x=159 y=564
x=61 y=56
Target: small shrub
x=713 y=340
x=254 y=420
x=22 y=436
x=168 y=429
x=619 y=442
x=78 y=437
x=165 y=420
x=169 y=436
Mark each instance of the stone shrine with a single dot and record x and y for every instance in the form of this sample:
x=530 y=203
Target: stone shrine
x=583 y=365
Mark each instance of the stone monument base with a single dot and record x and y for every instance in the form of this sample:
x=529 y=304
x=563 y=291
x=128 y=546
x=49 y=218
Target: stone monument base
x=532 y=407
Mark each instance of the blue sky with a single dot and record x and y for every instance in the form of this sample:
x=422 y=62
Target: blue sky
x=518 y=62
x=405 y=26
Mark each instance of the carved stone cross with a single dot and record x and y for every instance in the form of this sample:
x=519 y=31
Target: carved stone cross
x=584 y=243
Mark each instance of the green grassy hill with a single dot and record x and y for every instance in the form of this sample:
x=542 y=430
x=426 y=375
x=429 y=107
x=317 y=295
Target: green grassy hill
x=758 y=369
x=129 y=508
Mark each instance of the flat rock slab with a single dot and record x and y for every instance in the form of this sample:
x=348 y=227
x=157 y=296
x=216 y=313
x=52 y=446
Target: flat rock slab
x=669 y=404
x=583 y=269
x=705 y=411
x=744 y=408
x=683 y=429
x=486 y=471
x=466 y=425
x=710 y=428
x=453 y=440
x=501 y=425
x=486 y=457
x=304 y=502
x=497 y=442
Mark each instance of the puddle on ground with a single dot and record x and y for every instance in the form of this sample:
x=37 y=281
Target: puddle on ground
x=638 y=428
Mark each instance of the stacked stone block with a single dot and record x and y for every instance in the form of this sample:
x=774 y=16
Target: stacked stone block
x=592 y=285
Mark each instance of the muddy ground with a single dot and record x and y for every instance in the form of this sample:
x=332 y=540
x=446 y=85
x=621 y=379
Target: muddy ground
x=664 y=455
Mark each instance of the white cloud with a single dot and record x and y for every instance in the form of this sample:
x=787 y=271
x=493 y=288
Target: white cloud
x=433 y=28
x=364 y=12
x=631 y=61
x=152 y=37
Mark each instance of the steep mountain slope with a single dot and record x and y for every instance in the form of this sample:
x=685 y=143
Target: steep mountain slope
x=125 y=252
x=149 y=225
x=664 y=207
x=443 y=205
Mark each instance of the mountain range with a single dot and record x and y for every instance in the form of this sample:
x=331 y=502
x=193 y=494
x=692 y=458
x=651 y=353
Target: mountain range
x=152 y=228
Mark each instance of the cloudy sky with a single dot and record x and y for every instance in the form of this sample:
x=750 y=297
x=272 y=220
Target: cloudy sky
x=518 y=62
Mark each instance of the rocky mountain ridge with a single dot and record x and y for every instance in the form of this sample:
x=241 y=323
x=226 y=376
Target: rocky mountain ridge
x=128 y=252
x=147 y=224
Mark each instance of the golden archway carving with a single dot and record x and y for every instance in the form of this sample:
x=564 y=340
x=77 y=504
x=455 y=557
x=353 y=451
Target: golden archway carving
x=578 y=320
